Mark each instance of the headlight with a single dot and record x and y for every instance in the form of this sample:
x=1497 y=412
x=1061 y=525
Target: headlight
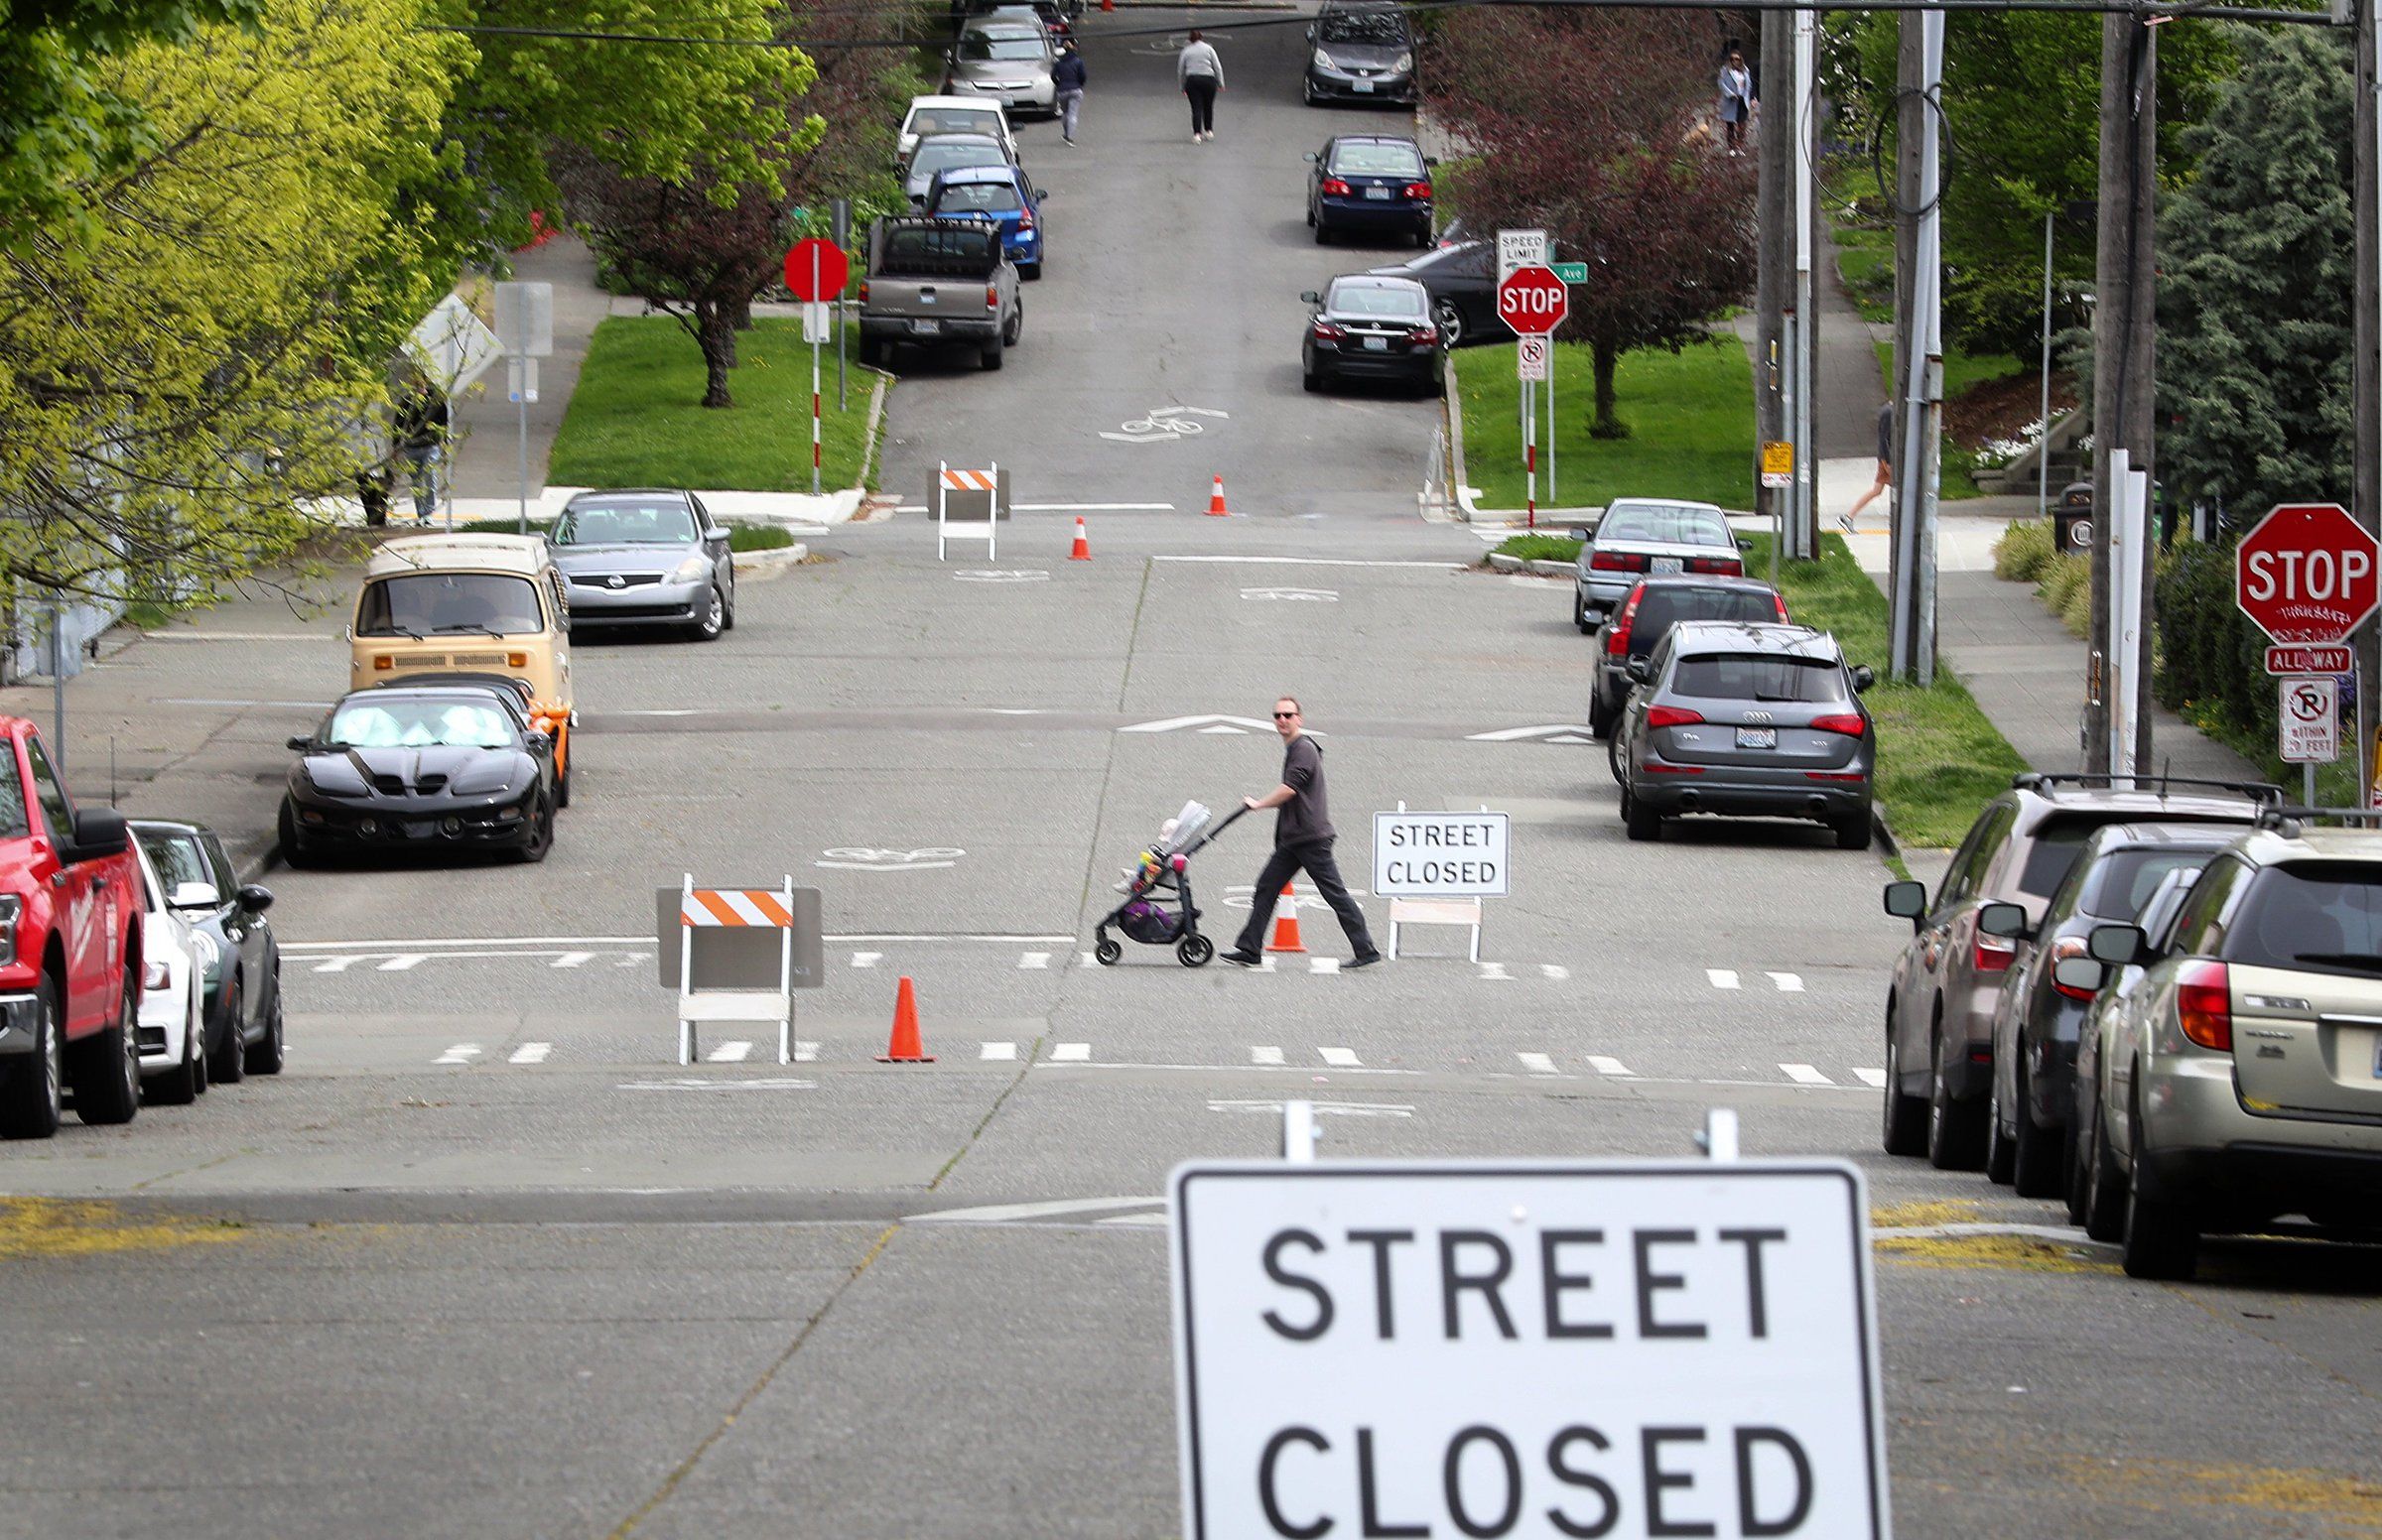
x=1405 y=62
x=692 y=568
x=11 y=907
x=1323 y=61
x=156 y=976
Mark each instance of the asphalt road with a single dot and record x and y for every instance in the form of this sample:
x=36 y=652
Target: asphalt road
x=487 y=1261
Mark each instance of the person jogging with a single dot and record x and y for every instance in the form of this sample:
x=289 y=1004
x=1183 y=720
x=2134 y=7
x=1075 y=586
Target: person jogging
x=1200 y=74
x=1302 y=841
x=1844 y=519
x=1069 y=75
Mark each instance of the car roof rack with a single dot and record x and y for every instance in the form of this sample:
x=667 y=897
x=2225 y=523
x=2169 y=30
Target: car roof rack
x=2287 y=821
x=2266 y=793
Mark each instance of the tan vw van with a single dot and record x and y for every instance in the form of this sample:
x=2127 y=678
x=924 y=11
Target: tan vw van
x=468 y=604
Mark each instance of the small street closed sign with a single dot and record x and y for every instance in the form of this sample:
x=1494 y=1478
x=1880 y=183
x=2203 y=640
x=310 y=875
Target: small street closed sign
x=1527 y=1349
x=1440 y=855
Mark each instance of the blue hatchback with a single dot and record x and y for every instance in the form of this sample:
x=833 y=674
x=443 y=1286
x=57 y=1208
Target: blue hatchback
x=1001 y=193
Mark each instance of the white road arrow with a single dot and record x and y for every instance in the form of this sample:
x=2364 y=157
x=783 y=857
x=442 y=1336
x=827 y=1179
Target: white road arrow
x=1554 y=733
x=1202 y=725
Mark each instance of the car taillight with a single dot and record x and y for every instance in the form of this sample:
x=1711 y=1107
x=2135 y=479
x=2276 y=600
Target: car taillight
x=1418 y=189
x=2069 y=946
x=2205 y=1004
x=1718 y=565
x=1847 y=722
x=1025 y=220
x=992 y=297
x=1333 y=187
x=1615 y=562
x=1994 y=953
x=1326 y=331
x=864 y=291
x=1780 y=600
x=1671 y=716
x=1425 y=336
x=1617 y=640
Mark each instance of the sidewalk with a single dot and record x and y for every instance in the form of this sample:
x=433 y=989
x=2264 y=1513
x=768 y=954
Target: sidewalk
x=486 y=425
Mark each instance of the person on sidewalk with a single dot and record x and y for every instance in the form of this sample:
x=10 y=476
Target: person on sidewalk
x=1885 y=469
x=422 y=444
x=1200 y=74
x=1069 y=75
x=1302 y=841
x=1736 y=100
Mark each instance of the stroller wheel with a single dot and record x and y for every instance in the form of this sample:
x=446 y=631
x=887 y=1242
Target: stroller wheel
x=1107 y=951
x=1195 y=950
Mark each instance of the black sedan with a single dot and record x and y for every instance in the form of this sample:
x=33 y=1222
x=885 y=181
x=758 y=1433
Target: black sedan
x=1461 y=277
x=1375 y=184
x=242 y=988
x=1366 y=328
x=421 y=767
x=646 y=558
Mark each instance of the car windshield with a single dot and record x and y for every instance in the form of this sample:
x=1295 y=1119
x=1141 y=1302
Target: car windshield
x=2321 y=917
x=2121 y=883
x=398 y=721
x=12 y=797
x=1661 y=608
x=1003 y=45
x=953 y=120
x=1373 y=300
x=2059 y=839
x=178 y=860
x=1378 y=160
x=1664 y=526
x=980 y=198
x=1383 y=27
x=625 y=523
x=943 y=153
x=420 y=604
x=1759 y=676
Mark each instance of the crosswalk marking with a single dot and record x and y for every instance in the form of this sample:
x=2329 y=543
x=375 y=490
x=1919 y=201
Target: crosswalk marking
x=1805 y=1075
x=1323 y=964
x=1875 y=1078
x=531 y=1053
x=399 y=965
x=1555 y=971
x=997 y=1051
x=1089 y=961
x=1722 y=977
x=1538 y=1064
x=1340 y=1057
x=866 y=958
x=1033 y=960
x=1605 y=1064
x=805 y=1053
x=1071 y=1053
x=461 y=1053
x=573 y=958
x=1264 y=1055
x=735 y=1051
x=337 y=965
x=1788 y=983
x=1495 y=972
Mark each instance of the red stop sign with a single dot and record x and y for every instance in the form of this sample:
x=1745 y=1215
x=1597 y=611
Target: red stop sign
x=825 y=258
x=2307 y=572
x=1531 y=300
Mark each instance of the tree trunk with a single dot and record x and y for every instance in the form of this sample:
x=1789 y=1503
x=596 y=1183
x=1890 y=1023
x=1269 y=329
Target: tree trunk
x=742 y=312
x=1606 y=422
x=716 y=330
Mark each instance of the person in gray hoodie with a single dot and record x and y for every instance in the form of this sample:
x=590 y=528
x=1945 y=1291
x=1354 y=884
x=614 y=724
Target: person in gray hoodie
x=1200 y=74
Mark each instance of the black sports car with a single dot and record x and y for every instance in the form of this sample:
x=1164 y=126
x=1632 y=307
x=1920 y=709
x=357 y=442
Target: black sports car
x=419 y=767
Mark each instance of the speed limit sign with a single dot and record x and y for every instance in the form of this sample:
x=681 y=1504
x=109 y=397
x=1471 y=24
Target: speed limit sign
x=1530 y=357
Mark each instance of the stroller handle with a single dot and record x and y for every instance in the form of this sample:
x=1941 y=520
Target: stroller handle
x=1202 y=842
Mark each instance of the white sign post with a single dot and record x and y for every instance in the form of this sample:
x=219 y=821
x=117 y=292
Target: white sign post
x=1437 y=869
x=2309 y=724
x=1527 y=1349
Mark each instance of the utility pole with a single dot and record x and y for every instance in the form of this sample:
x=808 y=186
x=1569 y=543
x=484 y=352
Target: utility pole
x=1804 y=518
x=2124 y=329
x=1919 y=342
x=2366 y=476
x=1774 y=252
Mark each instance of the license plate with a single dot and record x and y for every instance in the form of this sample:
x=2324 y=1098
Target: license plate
x=1378 y=194
x=1363 y=88
x=1665 y=563
x=926 y=327
x=1756 y=738
x=1377 y=344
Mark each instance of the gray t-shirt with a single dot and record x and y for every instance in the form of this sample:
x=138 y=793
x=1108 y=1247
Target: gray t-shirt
x=1307 y=815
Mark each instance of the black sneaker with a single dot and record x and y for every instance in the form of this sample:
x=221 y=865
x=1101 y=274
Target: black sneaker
x=1366 y=961
x=1244 y=959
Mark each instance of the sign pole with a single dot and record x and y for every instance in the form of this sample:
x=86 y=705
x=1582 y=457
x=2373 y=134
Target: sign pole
x=57 y=682
x=814 y=380
x=521 y=417
x=1552 y=500
x=1530 y=462
x=843 y=232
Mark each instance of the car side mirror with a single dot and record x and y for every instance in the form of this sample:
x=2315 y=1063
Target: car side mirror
x=1906 y=900
x=1310 y=39
x=100 y=831
x=1744 y=542
x=2003 y=920
x=1640 y=670
x=193 y=895
x=1430 y=163
x=2118 y=943
x=256 y=898
x=1313 y=158
x=1578 y=532
x=302 y=742
x=1312 y=297
x=1863 y=678
x=2079 y=973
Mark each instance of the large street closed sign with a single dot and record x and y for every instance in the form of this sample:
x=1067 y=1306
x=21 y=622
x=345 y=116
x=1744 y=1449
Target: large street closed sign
x=1525 y=1348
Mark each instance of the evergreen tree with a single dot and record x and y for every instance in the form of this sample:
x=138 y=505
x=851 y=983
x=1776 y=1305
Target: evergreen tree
x=2256 y=268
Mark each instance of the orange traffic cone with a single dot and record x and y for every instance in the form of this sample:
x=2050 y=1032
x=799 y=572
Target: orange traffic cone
x=905 y=1047
x=1286 y=923
x=1083 y=547
x=1216 y=507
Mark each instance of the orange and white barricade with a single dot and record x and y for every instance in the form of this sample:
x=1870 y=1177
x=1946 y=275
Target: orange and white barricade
x=959 y=495
x=710 y=909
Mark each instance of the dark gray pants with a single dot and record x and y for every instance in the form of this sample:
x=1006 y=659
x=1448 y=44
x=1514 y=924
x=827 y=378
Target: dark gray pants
x=1314 y=857
x=1200 y=88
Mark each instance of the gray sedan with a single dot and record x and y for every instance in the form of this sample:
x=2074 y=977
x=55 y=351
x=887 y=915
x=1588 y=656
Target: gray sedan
x=646 y=558
x=1641 y=537
x=1747 y=719
x=1007 y=61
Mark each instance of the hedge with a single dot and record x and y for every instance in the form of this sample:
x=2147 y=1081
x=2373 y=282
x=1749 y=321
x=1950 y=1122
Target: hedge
x=2212 y=659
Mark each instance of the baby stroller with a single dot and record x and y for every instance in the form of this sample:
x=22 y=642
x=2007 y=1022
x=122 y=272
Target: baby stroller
x=1164 y=868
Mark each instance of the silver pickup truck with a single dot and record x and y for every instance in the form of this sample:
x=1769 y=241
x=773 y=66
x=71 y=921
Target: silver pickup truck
x=938 y=281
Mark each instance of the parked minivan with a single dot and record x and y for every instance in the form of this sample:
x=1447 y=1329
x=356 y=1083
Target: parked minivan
x=469 y=605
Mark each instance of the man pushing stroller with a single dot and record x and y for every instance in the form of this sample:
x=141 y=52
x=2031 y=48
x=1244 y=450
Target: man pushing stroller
x=1302 y=841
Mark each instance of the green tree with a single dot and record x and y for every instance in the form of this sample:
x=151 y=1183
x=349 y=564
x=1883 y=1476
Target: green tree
x=2257 y=271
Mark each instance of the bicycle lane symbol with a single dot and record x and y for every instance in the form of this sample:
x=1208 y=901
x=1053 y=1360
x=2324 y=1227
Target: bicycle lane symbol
x=1166 y=425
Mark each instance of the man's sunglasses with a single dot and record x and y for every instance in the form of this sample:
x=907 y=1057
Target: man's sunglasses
x=1283 y=715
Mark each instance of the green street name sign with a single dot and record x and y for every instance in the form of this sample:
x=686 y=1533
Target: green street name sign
x=1571 y=272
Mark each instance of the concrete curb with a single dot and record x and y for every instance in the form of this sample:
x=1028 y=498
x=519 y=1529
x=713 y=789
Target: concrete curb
x=876 y=417
x=765 y=560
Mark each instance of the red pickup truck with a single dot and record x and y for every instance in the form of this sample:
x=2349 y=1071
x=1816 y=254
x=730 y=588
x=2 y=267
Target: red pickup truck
x=70 y=910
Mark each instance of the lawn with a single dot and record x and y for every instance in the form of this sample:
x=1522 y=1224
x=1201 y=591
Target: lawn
x=1961 y=371
x=1690 y=416
x=1938 y=758
x=635 y=418
x=1865 y=262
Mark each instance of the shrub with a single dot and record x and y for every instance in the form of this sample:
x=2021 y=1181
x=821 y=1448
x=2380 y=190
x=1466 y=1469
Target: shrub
x=2063 y=579
x=1541 y=548
x=758 y=537
x=2023 y=550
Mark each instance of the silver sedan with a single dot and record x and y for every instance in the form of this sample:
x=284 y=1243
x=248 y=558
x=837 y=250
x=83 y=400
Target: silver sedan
x=646 y=558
